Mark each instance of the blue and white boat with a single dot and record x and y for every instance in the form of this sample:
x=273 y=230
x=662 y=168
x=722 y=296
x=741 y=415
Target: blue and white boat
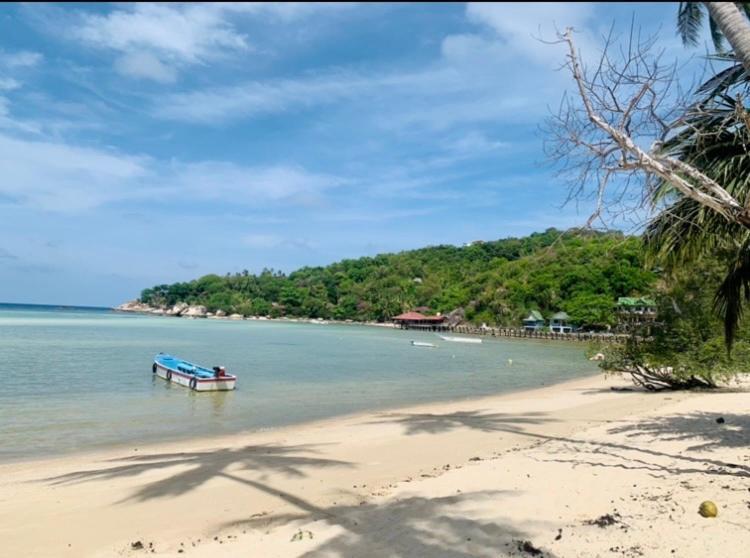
x=191 y=375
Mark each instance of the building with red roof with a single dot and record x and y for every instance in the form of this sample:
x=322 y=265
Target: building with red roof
x=415 y=319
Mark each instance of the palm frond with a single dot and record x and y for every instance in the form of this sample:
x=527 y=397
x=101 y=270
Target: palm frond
x=732 y=294
x=689 y=22
x=725 y=79
x=712 y=135
x=717 y=37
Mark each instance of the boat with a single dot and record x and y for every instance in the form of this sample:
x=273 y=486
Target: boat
x=460 y=339
x=191 y=375
x=423 y=344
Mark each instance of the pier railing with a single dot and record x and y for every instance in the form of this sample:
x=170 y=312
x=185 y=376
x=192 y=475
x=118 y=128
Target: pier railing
x=519 y=333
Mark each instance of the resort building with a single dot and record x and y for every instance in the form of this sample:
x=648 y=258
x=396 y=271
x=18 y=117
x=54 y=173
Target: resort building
x=534 y=322
x=558 y=323
x=635 y=311
x=415 y=320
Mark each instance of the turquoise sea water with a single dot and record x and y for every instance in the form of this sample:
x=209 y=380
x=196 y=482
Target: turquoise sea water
x=76 y=379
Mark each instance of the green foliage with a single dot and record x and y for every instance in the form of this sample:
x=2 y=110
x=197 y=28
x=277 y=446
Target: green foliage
x=498 y=282
x=712 y=136
x=687 y=340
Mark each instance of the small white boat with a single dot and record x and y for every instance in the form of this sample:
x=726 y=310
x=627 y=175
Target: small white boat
x=192 y=376
x=460 y=339
x=423 y=344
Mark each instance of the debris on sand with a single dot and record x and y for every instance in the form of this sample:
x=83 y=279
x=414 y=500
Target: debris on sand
x=301 y=534
x=559 y=535
x=528 y=548
x=605 y=520
x=137 y=545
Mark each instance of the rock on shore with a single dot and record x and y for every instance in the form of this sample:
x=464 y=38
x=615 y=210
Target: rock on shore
x=179 y=309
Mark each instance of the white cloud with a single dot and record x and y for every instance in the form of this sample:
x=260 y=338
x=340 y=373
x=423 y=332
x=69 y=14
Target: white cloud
x=145 y=65
x=58 y=177
x=9 y=84
x=188 y=33
x=155 y=40
x=12 y=63
x=244 y=185
x=251 y=99
x=20 y=59
x=68 y=178
x=469 y=82
x=521 y=24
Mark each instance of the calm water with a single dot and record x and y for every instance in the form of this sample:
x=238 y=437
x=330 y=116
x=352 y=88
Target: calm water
x=75 y=379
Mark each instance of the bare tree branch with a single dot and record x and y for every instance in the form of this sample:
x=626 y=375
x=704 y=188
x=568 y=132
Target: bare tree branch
x=599 y=138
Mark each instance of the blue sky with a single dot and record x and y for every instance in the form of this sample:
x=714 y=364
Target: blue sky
x=144 y=144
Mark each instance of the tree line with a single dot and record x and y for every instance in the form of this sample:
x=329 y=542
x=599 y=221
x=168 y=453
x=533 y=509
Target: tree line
x=581 y=272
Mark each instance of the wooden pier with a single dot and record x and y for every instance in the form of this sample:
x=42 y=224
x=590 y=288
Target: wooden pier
x=518 y=333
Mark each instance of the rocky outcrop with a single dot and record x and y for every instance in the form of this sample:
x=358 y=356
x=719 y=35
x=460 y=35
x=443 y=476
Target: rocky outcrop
x=455 y=317
x=177 y=309
x=194 y=312
x=181 y=309
x=133 y=306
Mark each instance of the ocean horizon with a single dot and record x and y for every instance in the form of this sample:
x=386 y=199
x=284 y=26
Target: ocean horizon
x=53 y=307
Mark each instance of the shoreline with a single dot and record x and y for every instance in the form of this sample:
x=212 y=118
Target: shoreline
x=463 y=329
x=464 y=478
x=94 y=453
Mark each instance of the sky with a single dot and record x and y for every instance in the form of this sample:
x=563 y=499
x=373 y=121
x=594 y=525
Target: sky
x=143 y=144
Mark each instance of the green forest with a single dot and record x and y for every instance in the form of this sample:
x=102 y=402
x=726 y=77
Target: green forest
x=581 y=272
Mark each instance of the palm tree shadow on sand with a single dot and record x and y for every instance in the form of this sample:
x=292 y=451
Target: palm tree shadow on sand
x=710 y=431
x=202 y=466
x=433 y=423
x=408 y=527
x=413 y=526
x=736 y=433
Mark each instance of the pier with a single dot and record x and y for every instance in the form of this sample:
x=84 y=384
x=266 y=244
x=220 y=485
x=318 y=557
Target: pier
x=519 y=333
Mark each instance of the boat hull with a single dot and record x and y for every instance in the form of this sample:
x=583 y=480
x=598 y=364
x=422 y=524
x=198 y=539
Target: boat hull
x=227 y=383
x=423 y=344
x=461 y=339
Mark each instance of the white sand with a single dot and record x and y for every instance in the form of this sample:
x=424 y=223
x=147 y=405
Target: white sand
x=408 y=484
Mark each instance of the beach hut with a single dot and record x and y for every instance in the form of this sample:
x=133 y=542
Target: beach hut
x=534 y=322
x=416 y=320
x=558 y=323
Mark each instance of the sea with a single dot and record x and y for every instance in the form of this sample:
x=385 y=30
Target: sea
x=76 y=379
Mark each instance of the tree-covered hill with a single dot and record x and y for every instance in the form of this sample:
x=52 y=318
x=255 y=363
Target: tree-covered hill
x=496 y=282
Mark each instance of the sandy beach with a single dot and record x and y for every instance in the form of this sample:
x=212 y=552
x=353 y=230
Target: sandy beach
x=574 y=469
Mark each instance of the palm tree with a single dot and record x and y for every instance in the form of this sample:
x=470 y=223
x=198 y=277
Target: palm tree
x=713 y=135
x=727 y=20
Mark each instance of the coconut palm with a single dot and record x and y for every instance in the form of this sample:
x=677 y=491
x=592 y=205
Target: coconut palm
x=727 y=20
x=713 y=135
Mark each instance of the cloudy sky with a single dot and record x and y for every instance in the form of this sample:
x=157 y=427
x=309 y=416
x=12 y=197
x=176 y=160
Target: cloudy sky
x=144 y=144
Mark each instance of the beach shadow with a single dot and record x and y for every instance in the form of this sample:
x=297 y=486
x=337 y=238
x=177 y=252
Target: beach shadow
x=733 y=432
x=643 y=457
x=407 y=527
x=203 y=466
x=431 y=423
